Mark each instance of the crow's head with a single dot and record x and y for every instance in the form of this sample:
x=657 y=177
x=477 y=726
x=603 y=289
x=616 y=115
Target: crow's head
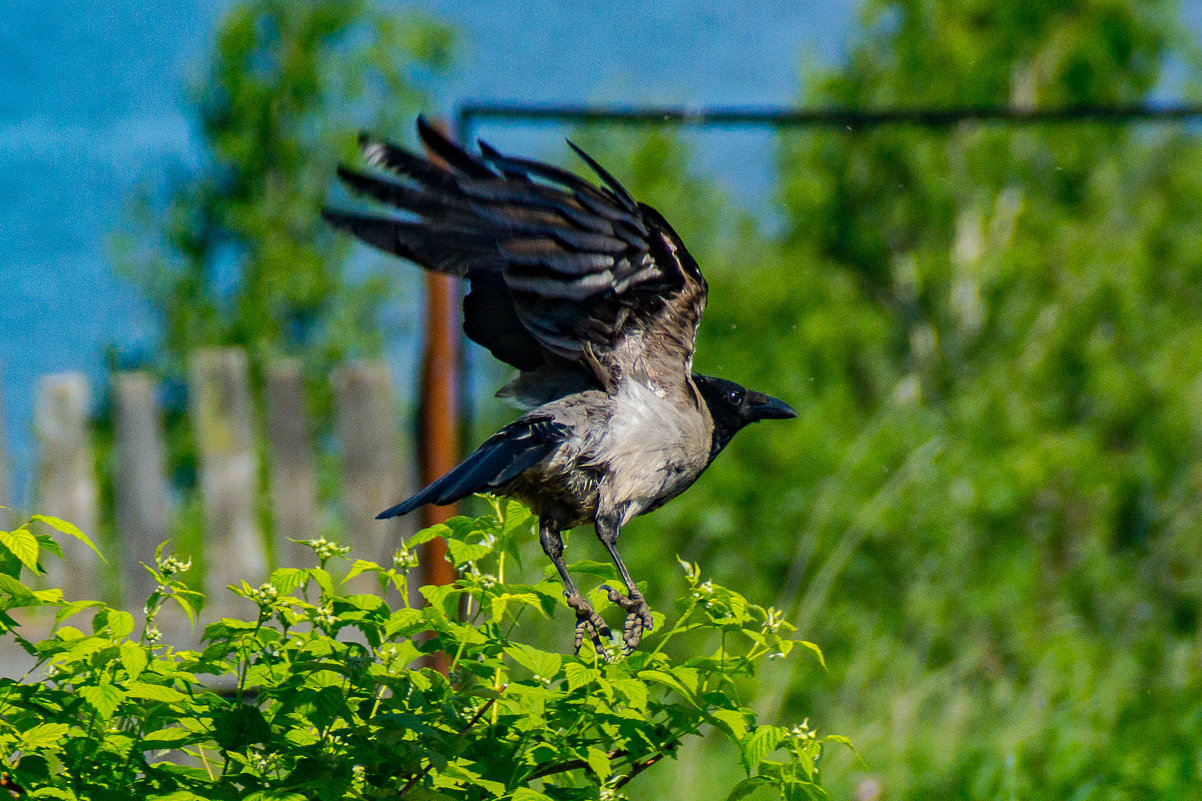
x=733 y=407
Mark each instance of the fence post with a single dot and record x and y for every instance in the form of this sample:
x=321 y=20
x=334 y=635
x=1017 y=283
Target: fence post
x=66 y=478
x=293 y=473
x=374 y=476
x=222 y=420
x=6 y=478
x=139 y=481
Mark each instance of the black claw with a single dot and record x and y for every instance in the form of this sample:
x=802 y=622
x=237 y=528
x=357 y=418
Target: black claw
x=587 y=621
x=638 y=616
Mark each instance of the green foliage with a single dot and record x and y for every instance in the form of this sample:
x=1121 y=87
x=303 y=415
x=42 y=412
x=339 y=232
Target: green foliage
x=325 y=694
x=987 y=509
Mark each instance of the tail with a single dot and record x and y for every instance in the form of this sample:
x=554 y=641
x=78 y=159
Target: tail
x=512 y=450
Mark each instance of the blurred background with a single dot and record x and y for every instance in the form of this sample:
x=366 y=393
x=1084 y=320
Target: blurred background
x=987 y=512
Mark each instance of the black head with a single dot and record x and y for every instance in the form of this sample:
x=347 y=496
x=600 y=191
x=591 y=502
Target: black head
x=733 y=407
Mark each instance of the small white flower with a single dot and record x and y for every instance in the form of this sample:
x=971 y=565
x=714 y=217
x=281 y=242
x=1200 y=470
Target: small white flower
x=173 y=564
x=404 y=560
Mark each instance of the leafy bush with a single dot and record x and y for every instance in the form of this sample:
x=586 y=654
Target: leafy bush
x=324 y=694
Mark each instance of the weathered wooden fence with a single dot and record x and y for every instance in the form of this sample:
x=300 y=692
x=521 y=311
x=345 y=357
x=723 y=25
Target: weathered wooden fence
x=376 y=468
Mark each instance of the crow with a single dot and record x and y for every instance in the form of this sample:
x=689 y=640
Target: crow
x=594 y=299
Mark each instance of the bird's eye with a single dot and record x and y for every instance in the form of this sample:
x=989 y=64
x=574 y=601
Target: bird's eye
x=735 y=396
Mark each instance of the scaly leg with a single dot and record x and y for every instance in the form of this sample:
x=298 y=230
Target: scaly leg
x=587 y=619
x=638 y=614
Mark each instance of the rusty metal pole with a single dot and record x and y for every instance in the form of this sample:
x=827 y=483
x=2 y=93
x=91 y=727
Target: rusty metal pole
x=438 y=420
x=439 y=412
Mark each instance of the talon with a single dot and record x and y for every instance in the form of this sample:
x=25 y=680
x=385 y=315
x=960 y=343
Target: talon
x=587 y=620
x=638 y=616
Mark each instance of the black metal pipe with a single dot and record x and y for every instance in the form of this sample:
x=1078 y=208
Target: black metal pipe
x=779 y=117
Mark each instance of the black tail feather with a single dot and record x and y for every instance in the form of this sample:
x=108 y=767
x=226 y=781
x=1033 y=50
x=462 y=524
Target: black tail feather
x=515 y=448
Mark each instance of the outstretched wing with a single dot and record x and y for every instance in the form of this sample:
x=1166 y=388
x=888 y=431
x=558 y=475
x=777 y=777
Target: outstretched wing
x=559 y=268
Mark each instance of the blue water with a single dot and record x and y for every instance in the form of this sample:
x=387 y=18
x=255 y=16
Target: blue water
x=91 y=104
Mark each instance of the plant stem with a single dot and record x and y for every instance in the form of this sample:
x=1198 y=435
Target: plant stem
x=417 y=777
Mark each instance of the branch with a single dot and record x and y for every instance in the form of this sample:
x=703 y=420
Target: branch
x=421 y=774
x=635 y=767
x=639 y=767
x=571 y=764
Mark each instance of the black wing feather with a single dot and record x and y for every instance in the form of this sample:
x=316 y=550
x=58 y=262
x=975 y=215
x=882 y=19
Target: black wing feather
x=512 y=450
x=560 y=268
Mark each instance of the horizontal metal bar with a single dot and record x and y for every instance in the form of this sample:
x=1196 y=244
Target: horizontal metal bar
x=782 y=117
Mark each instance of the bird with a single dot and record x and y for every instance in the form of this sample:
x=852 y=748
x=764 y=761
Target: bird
x=594 y=299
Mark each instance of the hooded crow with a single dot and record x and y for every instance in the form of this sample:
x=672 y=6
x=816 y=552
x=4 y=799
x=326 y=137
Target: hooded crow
x=594 y=299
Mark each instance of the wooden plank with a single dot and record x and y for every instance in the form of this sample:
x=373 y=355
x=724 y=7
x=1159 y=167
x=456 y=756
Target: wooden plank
x=374 y=476
x=66 y=478
x=223 y=424
x=7 y=516
x=293 y=473
x=139 y=482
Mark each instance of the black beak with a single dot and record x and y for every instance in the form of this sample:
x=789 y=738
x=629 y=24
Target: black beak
x=766 y=407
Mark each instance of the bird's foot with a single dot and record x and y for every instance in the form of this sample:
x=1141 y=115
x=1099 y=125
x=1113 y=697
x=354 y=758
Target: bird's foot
x=638 y=616
x=587 y=622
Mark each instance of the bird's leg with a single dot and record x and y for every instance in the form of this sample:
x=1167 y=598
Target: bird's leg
x=587 y=619
x=638 y=614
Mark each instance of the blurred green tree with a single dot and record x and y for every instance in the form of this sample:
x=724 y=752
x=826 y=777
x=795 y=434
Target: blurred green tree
x=987 y=511
x=234 y=253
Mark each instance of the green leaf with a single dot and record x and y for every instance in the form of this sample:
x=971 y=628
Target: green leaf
x=812 y=647
x=516 y=516
x=420 y=793
x=463 y=552
x=167 y=738
x=23 y=545
x=17 y=591
x=526 y=794
x=323 y=579
x=578 y=675
x=760 y=743
x=234 y=729
x=364 y=601
x=188 y=601
x=133 y=659
x=287 y=579
x=360 y=566
x=747 y=787
x=70 y=529
x=667 y=680
x=155 y=692
x=598 y=762
x=500 y=603
x=104 y=698
x=405 y=619
x=70 y=608
x=118 y=623
x=633 y=690
x=402 y=720
x=43 y=735
x=540 y=663
x=733 y=721
x=588 y=567
x=54 y=792
x=428 y=534
x=47 y=544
